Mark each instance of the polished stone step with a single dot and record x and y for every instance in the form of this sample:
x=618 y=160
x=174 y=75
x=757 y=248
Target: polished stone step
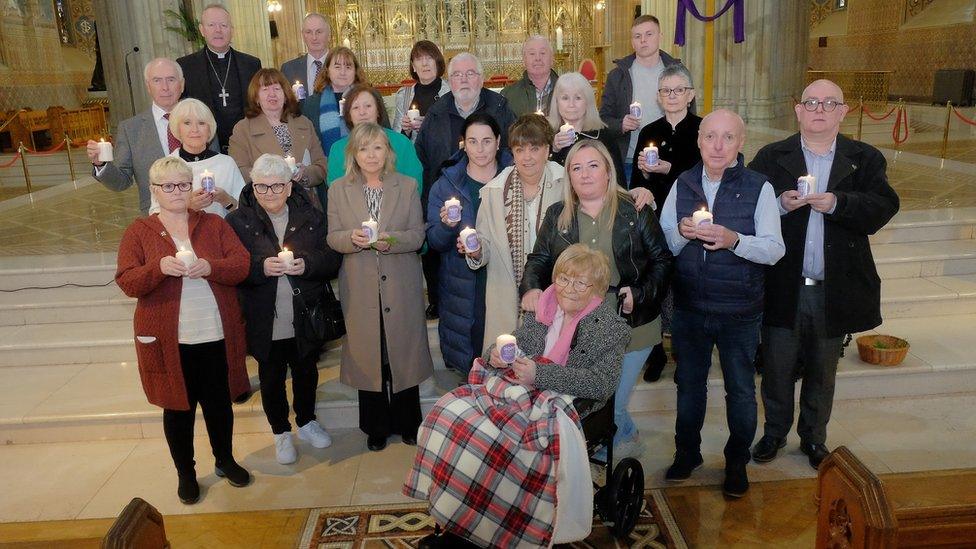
x=928 y=225
x=928 y=296
x=925 y=259
x=45 y=271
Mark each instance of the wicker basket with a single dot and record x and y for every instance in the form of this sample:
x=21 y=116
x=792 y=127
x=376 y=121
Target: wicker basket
x=895 y=352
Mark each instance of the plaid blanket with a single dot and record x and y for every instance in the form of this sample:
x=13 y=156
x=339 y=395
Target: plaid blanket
x=487 y=461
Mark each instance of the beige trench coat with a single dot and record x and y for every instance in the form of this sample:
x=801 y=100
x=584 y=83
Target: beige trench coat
x=502 y=307
x=373 y=283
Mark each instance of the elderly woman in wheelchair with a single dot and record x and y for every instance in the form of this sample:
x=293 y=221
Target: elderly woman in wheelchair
x=503 y=460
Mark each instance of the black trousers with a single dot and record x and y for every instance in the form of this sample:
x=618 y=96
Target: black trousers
x=305 y=380
x=205 y=377
x=431 y=262
x=382 y=413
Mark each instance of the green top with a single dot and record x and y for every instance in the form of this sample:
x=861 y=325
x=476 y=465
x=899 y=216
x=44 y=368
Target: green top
x=407 y=162
x=595 y=234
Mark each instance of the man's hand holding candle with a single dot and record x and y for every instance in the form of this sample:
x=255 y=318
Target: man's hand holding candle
x=821 y=202
x=716 y=237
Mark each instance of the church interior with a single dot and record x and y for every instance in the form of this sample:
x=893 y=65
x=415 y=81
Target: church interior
x=80 y=441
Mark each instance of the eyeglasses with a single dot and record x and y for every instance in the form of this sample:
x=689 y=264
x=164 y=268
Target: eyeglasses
x=170 y=187
x=468 y=74
x=580 y=286
x=828 y=105
x=680 y=90
x=276 y=188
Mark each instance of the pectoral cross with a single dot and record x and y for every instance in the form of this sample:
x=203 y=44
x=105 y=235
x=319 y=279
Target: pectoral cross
x=223 y=95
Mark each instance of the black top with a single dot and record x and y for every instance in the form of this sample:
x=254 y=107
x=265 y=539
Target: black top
x=226 y=116
x=604 y=136
x=424 y=95
x=678 y=145
x=196 y=157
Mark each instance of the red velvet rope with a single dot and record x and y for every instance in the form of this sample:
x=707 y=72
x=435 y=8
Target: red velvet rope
x=963 y=118
x=12 y=161
x=867 y=111
x=900 y=121
x=48 y=152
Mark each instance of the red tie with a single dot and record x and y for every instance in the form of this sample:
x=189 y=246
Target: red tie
x=171 y=140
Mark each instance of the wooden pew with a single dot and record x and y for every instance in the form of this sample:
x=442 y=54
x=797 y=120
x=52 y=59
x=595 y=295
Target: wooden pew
x=139 y=526
x=25 y=125
x=79 y=125
x=856 y=513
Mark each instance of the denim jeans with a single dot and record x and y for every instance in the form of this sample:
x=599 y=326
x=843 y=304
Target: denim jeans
x=631 y=369
x=628 y=172
x=694 y=334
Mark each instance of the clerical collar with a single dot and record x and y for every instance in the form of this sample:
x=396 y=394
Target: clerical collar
x=196 y=157
x=219 y=55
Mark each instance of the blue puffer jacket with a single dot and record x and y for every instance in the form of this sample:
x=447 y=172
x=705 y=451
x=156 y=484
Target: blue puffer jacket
x=456 y=282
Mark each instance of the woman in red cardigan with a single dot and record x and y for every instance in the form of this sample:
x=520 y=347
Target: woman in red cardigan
x=183 y=266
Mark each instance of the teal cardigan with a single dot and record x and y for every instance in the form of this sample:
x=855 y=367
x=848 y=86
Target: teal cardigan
x=407 y=162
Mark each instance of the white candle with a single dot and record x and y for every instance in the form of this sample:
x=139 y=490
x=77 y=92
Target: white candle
x=342 y=106
x=346 y=42
x=701 y=217
x=105 y=153
x=186 y=256
x=559 y=39
x=507 y=348
x=635 y=110
x=806 y=184
x=650 y=155
x=469 y=237
x=207 y=182
x=414 y=113
x=290 y=160
x=540 y=113
x=568 y=129
x=453 y=206
x=299 y=89
x=287 y=256
x=371 y=229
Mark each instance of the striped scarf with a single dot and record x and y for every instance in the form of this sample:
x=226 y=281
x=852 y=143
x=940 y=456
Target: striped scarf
x=331 y=125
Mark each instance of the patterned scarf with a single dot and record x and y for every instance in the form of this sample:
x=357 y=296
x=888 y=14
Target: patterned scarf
x=331 y=125
x=514 y=201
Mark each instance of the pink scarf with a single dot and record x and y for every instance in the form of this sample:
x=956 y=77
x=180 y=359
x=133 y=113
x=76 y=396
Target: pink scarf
x=545 y=313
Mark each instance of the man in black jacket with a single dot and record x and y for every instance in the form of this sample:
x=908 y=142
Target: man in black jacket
x=219 y=75
x=826 y=285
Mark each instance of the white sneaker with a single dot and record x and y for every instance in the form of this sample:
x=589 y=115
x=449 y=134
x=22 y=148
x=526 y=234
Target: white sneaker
x=632 y=448
x=314 y=434
x=285 y=451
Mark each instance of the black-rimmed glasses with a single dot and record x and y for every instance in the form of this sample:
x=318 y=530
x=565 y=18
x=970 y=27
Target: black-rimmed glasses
x=680 y=90
x=276 y=188
x=828 y=105
x=170 y=187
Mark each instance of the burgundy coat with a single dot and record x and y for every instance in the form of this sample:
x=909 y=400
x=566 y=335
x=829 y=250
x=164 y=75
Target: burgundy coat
x=145 y=242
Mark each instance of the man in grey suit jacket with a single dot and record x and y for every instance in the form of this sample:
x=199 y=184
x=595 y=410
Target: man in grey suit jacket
x=144 y=138
x=316 y=34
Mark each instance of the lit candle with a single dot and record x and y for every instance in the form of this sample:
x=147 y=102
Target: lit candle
x=635 y=110
x=342 y=106
x=207 y=182
x=287 y=256
x=299 y=89
x=806 y=184
x=414 y=113
x=186 y=256
x=701 y=217
x=559 y=39
x=371 y=229
x=569 y=130
x=346 y=42
x=469 y=237
x=290 y=160
x=540 y=113
x=650 y=155
x=453 y=206
x=105 y=153
x=507 y=348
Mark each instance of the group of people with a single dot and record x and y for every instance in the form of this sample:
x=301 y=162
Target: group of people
x=585 y=220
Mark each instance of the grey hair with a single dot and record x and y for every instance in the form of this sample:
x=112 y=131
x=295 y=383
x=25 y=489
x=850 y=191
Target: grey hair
x=318 y=16
x=162 y=60
x=466 y=55
x=676 y=70
x=215 y=6
x=271 y=166
x=534 y=38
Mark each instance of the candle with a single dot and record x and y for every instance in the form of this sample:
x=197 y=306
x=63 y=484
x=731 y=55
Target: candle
x=701 y=217
x=559 y=39
x=186 y=256
x=806 y=184
x=290 y=160
x=540 y=113
x=414 y=113
x=105 y=153
x=469 y=237
x=568 y=129
x=207 y=182
x=635 y=110
x=453 y=206
x=370 y=228
x=299 y=89
x=650 y=155
x=342 y=106
x=287 y=256
x=507 y=348
x=346 y=42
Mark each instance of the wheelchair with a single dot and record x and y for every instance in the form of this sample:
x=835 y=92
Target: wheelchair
x=618 y=502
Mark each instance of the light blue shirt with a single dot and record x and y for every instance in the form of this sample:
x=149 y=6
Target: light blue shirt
x=765 y=247
x=818 y=165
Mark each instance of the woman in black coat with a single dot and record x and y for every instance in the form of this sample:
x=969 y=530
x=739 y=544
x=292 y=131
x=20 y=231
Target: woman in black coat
x=274 y=217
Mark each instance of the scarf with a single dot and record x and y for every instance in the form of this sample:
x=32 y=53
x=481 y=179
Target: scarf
x=331 y=125
x=514 y=201
x=545 y=313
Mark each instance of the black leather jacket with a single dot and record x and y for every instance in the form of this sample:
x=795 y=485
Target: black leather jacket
x=639 y=249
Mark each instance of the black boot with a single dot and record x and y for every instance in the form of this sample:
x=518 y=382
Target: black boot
x=656 y=361
x=235 y=474
x=188 y=490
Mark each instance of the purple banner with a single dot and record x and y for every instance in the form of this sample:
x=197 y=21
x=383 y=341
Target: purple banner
x=738 y=19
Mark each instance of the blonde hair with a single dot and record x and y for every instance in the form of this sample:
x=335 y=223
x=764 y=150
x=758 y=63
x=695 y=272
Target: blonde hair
x=191 y=108
x=362 y=135
x=575 y=82
x=581 y=260
x=167 y=166
x=615 y=193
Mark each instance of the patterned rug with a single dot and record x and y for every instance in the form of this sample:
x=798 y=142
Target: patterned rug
x=403 y=525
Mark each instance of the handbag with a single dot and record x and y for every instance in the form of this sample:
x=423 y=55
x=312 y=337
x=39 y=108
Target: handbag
x=317 y=322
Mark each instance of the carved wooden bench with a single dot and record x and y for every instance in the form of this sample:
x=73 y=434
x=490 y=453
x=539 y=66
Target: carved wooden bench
x=139 y=526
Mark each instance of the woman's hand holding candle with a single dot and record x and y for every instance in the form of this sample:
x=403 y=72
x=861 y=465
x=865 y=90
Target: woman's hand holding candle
x=171 y=266
x=524 y=368
x=662 y=166
x=476 y=255
x=297 y=267
x=360 y=239
x=382 y=243
x=200 y=199
x=274 y=266
x=447 y=209
x=199 y=269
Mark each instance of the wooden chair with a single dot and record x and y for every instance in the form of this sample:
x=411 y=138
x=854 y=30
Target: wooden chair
x=139 y=526
x=78 y=125
x=856 y=513
x=25 y=125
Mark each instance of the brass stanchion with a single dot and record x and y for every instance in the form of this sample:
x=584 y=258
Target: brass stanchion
x=23 y=161
x=860 y=116
x=71 y=165
x=945 y=132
